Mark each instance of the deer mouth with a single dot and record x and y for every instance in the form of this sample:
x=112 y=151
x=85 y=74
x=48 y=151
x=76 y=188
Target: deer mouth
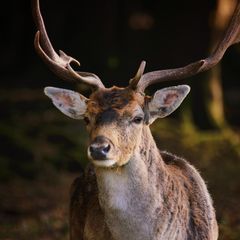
x=104 y=163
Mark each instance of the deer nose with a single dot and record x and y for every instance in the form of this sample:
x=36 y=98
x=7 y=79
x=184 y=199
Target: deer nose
x=99 y=148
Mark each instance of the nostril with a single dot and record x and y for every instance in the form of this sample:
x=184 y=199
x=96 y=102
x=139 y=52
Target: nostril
x=91 y=149
x=106 y=149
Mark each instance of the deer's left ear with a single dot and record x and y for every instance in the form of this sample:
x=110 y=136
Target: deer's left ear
x=166 y=100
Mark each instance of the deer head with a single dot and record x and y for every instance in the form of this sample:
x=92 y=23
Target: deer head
x=116 y=116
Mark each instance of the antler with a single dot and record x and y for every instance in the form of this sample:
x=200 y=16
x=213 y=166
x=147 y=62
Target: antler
x=59 y=64
x=232 y=36
x=134 y=81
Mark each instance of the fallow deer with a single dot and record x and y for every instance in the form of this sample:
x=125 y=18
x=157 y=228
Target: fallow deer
x=131 y=190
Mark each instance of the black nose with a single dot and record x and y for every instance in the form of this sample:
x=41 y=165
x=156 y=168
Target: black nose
x=99 y=148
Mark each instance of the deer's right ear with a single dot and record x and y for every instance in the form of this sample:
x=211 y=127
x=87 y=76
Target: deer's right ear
x=166 y=101
x=68 y=102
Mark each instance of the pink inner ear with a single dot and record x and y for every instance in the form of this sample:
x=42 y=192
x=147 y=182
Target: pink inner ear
x=170 y=98
x=65 y=99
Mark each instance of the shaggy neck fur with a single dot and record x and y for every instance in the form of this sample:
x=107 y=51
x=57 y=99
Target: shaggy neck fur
x=121 y=189
x=148 y=199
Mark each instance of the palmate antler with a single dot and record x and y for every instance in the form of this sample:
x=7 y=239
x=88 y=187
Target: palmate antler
x=59 y=64
x=232 y=35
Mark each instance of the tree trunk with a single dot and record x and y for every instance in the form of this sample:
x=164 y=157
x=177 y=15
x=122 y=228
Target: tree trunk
x=221 y=17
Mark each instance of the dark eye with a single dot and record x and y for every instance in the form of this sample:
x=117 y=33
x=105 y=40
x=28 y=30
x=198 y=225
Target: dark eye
x=86 y=120
x=137 y=120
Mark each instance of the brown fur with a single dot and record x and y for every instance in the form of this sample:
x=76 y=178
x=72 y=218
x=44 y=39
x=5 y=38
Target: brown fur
x=200 y=221
x=120 y=99
x=147 y=195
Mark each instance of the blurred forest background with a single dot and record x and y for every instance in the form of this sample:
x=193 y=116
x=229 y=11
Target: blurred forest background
x=42 y=151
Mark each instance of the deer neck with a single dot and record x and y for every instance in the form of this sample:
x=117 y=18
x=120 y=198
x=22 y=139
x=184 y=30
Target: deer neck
x=127 y=194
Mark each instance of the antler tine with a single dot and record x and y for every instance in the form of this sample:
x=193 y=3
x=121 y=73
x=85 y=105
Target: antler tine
x=134 y=81
x=59 y=64
x=231 y=36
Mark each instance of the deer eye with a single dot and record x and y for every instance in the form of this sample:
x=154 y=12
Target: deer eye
x=137 y=120
x=86 y=120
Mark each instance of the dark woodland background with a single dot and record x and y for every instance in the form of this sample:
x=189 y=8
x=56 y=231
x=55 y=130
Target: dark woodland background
x=41 y=151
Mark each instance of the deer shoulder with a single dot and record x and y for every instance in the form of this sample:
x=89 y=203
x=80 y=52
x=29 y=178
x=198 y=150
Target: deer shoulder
x=191 y=190
x=85 y=214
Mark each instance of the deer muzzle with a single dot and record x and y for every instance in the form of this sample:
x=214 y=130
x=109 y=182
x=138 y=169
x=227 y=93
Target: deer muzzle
x=99 y=152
